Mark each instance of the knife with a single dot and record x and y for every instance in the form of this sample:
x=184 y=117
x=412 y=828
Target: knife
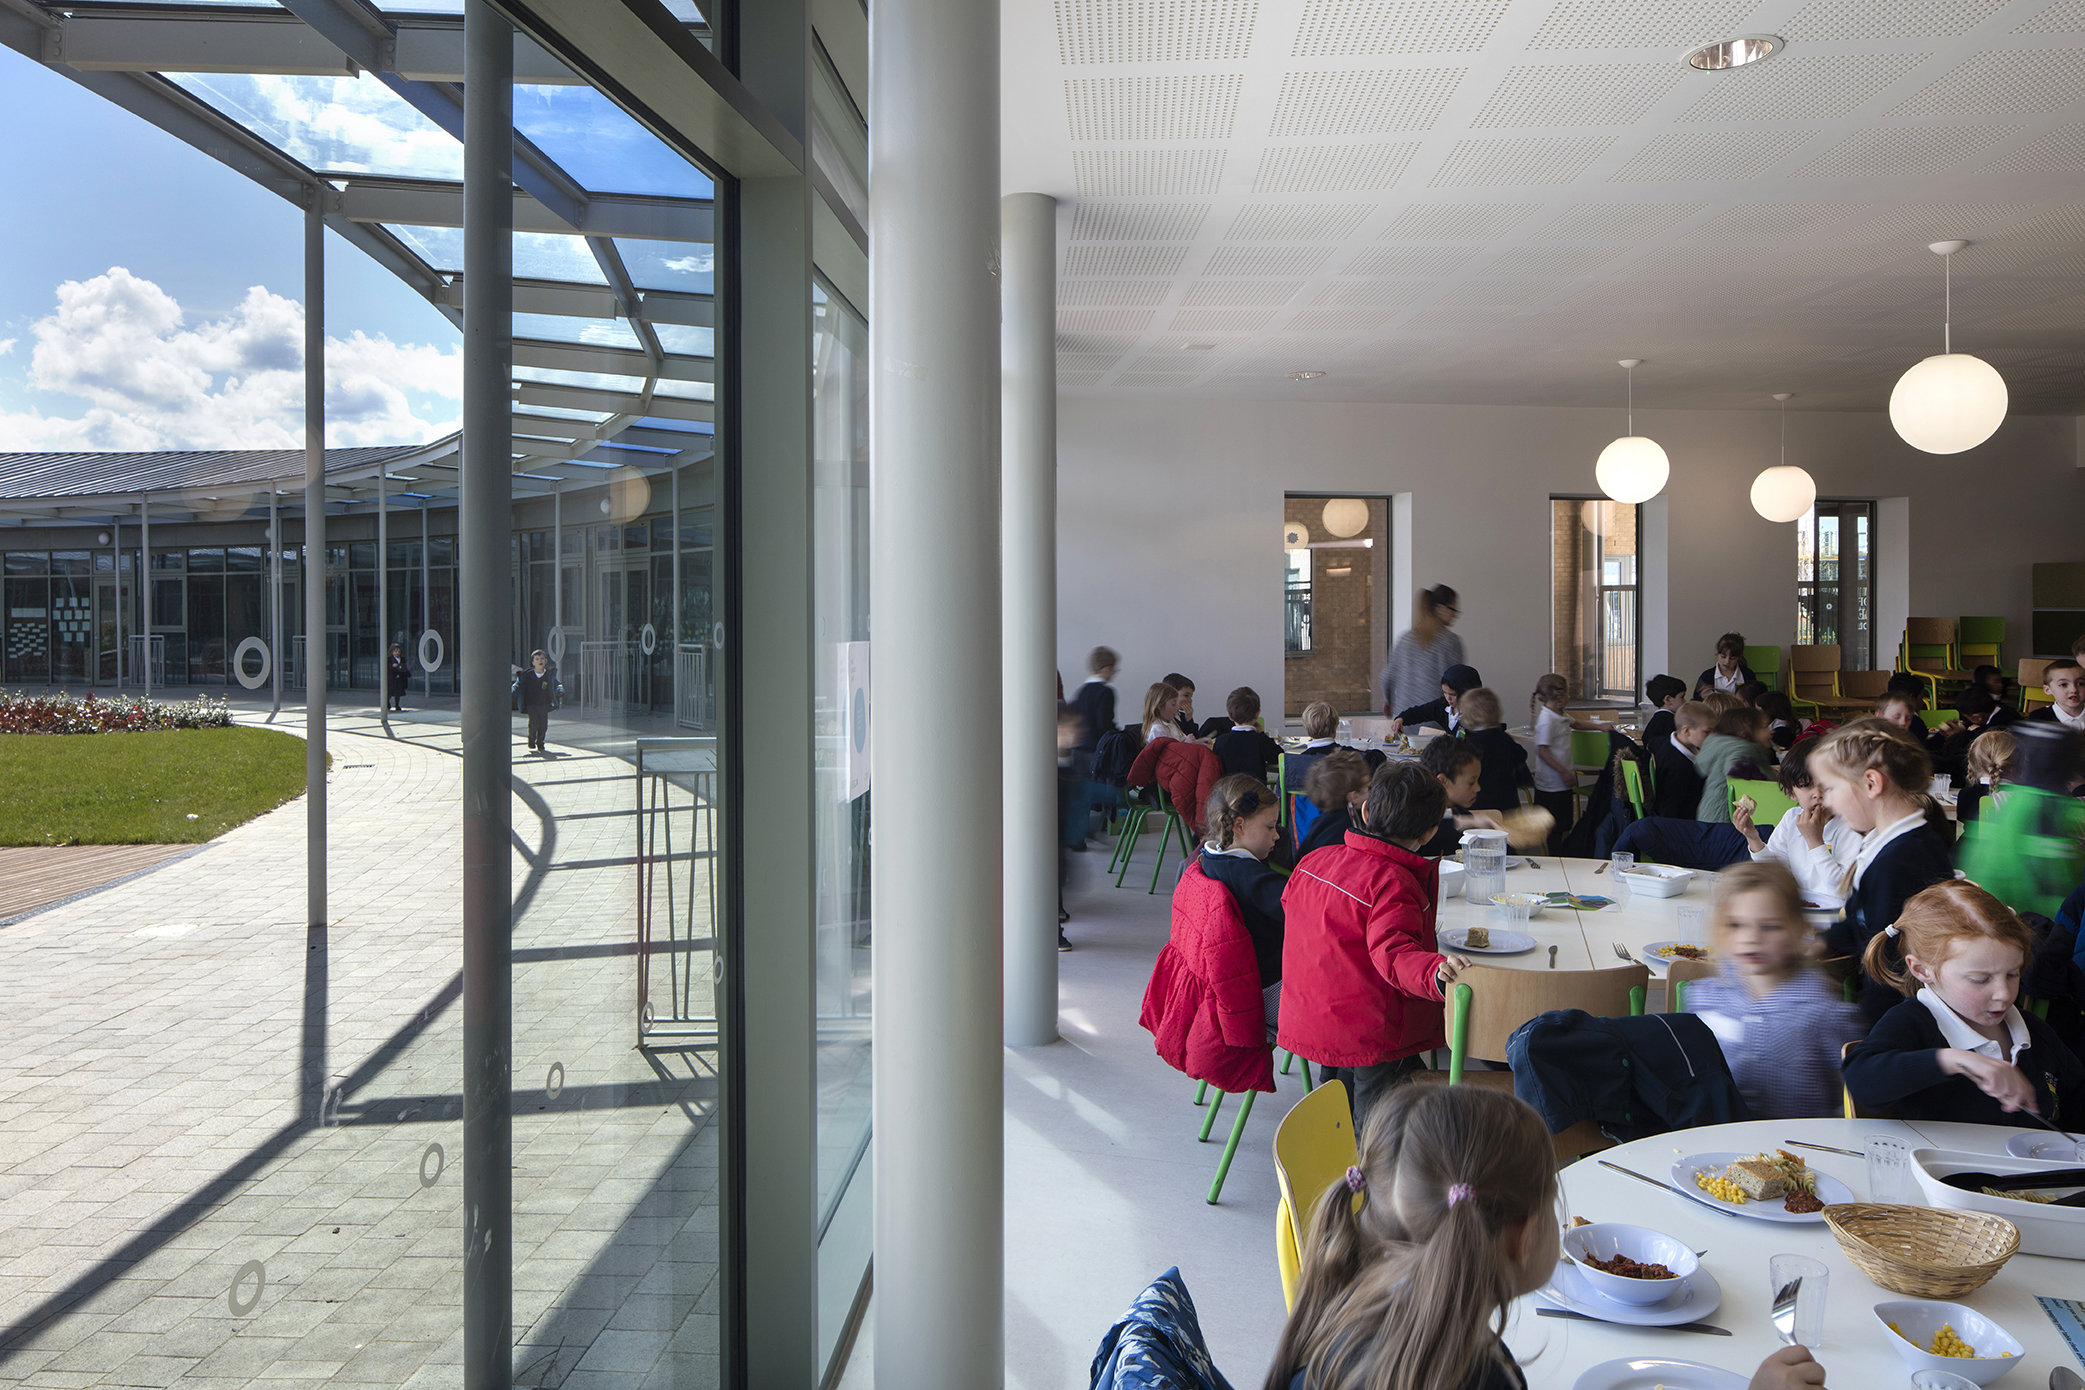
x=1641 y=1178
x=1669 y=1327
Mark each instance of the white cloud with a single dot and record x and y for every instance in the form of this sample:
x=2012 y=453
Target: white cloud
x=6 y=346
x=118 y=343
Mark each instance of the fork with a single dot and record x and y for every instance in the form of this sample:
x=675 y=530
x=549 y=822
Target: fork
x=1783 y=1313
x=1621 y=950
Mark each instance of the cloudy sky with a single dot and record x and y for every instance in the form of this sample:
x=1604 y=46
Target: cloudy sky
x=161 y=305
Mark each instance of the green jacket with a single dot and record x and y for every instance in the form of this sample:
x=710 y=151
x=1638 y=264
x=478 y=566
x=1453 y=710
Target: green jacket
x=2026 y=851
x=1719 y=754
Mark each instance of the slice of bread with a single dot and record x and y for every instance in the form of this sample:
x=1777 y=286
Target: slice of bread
x=1759 y=1181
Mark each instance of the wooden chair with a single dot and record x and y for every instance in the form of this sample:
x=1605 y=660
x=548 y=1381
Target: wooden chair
x=1928 y=652
x=1863 y=687
x=1678 y=975
x=1313 y=1147
x=1813 y=675
x=1487 y=1003
x=2032 y=671
x=1853 y=1112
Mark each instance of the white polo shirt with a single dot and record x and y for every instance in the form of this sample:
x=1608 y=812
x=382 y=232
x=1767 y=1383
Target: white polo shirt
x=1958 y=1032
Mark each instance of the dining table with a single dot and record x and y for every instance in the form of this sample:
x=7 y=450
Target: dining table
x=1564 y=1353
x=1585 y=938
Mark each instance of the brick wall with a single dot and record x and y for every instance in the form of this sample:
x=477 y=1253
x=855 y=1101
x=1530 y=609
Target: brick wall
x=1340 y=668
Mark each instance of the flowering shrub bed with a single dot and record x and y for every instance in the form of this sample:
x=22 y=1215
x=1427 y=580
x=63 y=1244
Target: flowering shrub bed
x=23 y=713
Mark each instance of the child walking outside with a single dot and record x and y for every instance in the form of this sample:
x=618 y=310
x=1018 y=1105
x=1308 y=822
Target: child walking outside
x=1780 y=1022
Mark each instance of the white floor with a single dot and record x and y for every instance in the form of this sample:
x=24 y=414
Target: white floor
x=1105 y=1183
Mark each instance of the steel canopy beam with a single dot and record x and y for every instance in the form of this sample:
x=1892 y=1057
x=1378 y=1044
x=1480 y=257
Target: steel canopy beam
x=428 y=48
x=611 y=361
x=430 y=203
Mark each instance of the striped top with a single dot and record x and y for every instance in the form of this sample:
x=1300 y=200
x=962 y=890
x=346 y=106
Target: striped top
x=1412 y=675
x=1783 y=1048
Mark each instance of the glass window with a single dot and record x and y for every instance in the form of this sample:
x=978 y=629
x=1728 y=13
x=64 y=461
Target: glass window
x=348 y=125
x=362 y=555
x=597 y=381
x=686 y=340
x=668 y=265
x=685 y=390
x=28 y=562
x=206 y=561
x=553 y=256
x=1594 y=596
x=1296 y=592
x=604 y=149
x=174 y=560
x=440 y=247
x=70 y=562
x=1835 y=581
x=559 y=328
x=243 y=558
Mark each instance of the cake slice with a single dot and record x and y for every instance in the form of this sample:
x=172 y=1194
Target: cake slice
x=1759 y=1181
x=1477 y=938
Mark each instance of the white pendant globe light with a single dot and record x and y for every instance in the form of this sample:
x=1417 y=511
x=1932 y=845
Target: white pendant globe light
x=1783 y=493
x=1954 y=401
x=1346 y=516
x=1295 y=536
x=1633 y=468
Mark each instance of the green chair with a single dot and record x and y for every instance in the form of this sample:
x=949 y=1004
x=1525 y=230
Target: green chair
x=1770 y=801
x=1978 y=641
x=1765 y=665
x=1934 y=718
x=1230 y=1148
x=1173 y=823
x=1589 y=748
x=1133 y=813
x=1632 y=783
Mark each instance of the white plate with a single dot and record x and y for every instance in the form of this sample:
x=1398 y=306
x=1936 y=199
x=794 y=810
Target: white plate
x=1698 y=1296
x=2043 y=1147
x=1830 y=1191
x=1648 y=1372
x=1649 y=954
x=1503 y=943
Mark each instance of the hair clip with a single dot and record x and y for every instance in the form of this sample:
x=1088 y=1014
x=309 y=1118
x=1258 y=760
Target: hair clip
x=1890 y=931
x=1356 y=1179
x=1461 y=1192
x=1249 y=803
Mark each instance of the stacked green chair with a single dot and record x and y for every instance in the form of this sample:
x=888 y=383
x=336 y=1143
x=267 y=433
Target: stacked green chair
x=1979 y=641
x=1765 y=665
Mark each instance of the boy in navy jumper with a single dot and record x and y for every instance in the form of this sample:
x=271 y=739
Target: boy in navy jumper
x=1245 y=750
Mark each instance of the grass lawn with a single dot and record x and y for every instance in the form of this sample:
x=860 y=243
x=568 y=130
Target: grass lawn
x=141 y=788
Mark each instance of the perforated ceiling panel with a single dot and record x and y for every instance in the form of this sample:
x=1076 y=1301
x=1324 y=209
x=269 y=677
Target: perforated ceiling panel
x=1410 y=260
x=1497 y=293
x=2061 y=151
x=1456 y=221
x=2065 y=225
x=1331 y=168
x=1113 y=344
x=2003 y=83
x=1621 y=24
x=1103 y=320
x=1293 y=222
x=1361 y=103
x=1921 y=223
x=1153 y=31
x=1221 y=320
x=1195 y=107
x=1911 y=150
x=1364 y=28
x=1615 y=221
x=1770 y=221
x=2063 y=17
x=1829 y=20
x=1505 y=163
x=1553 y=260
x=1266 y=260
x=1112 y=292
x=1137 y=221
x=1241 y=293
x=1797 y=88
x=1339 y=318
x=1123 y=260
x=1701 y=155
x=1350 y=294
x=1577 y=95
x=1145 y=173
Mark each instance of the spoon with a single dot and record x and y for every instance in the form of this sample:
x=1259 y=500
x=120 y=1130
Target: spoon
x=2063 y=1378
x=1552 y=958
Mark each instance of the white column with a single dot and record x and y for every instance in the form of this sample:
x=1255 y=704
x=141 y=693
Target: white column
x=122 y=647
x=934 y=577
x=275 y=652
x=315 y=652
x=383 y=604
x=1028 y=609
x=145 y=587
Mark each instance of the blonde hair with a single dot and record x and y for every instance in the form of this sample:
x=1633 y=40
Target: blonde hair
x=1320 y=720
x=1235 y=798
x=1694 y=714
x=1990 y=756
x=1718 y=701
x=1407 y=1288
x=1479 y=707
x=1546 y=688
x=1761 y=876
x=1897 y=697
x=1930 y=925
x=1871 y=744
x=1154 y=702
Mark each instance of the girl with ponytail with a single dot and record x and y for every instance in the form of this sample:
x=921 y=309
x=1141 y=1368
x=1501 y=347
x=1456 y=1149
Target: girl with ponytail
x=1411 y=1262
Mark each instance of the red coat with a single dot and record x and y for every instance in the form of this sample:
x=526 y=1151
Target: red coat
x=1203 y=1005
x=1187 y=770
x=1358 y=955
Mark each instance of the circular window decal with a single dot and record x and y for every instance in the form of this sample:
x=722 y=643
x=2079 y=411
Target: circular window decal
x=260 y=649
x=554 y=645
x=431 y=660
x=716 y=635
x=648 y=639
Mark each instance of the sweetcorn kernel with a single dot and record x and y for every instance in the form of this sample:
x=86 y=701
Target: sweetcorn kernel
x=1723 y=1188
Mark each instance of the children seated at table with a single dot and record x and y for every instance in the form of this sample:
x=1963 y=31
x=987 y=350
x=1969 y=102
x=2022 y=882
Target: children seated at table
x=1809 y=841
x=1185 y=715
x=1502 y=762
x=1781 y=724
x=1676 y=778
x=1735 y=747
x=1874 y=778
x=1361 y=972
x=1984 y=774
x=2064 y=681
x=1410 y=1264
x=1335 y=785
x=1442 y=713
x=1977 y=714
x=1958 y=1047
x=1320 y=725
x=1780 y=1022
x=1456 y=765
x=1244 y=749
x=1668 y=693
x=1730 y=670
x=1242 y=820
x=1161 y=703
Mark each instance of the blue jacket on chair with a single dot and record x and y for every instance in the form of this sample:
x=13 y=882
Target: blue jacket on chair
x=1158 y=1344
x=1634 y=1077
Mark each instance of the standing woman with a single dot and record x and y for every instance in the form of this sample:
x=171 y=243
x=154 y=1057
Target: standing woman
x=1422 y=655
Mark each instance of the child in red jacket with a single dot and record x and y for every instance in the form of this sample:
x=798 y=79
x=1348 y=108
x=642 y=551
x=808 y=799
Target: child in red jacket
x=1362 y=980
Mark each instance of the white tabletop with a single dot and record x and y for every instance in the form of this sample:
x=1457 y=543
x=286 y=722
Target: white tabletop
x=1584 y=939
x=1554 y=1352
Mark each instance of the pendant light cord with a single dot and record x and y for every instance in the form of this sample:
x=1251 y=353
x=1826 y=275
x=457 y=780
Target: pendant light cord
x=1947 y=303
x=1632 y=399
x=1784 y=434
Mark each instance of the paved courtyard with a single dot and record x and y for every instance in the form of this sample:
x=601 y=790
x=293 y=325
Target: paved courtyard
x=230 y=1144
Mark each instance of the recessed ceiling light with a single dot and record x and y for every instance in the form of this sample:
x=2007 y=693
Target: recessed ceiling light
x=1735 y=53
x=1305 y=376
x=1198 y=347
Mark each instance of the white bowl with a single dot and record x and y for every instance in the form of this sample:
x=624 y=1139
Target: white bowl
x=1919 y=1320
x=1451 y=879
x=2044 y=1230
x=1603 y=1240
x=1656 y=880
x=1535 y=902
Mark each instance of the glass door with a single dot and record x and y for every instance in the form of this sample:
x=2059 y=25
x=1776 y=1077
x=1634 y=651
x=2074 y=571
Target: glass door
x=1835 y=581
x=107 y=643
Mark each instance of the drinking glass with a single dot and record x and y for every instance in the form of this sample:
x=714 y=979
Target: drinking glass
x=1619 y=863
x=1693 y=922
x=1517 y=914
x=1889 y=1170
x=1809 y=1299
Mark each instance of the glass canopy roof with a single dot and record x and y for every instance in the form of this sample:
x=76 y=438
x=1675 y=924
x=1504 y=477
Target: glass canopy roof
x=613 y=325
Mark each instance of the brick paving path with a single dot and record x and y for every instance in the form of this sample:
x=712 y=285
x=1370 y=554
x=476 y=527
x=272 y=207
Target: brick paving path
x=194 y=1083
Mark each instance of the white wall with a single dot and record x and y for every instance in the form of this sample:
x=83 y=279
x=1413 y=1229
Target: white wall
x=1168 y=512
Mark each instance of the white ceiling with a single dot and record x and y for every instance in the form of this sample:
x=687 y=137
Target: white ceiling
x=1489 y=201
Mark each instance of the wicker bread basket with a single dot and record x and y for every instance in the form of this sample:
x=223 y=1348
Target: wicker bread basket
x=1923 y=1252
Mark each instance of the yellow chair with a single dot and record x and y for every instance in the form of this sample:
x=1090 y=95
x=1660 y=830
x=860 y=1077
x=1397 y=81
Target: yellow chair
x=1313 y=1148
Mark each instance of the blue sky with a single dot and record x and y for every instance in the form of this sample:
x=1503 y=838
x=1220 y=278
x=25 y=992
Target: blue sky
x=91 y=188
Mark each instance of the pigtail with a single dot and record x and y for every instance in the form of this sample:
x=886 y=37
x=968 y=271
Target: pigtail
x=1884 y=961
